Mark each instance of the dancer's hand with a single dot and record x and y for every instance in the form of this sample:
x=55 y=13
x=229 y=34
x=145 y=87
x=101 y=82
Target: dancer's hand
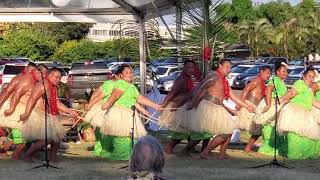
x=87 y=107
x=105 y=106
x=23 y=117
x=250 y=108
x=73 y=113
x=158 y=107
x=265 y=109
x=238 y=107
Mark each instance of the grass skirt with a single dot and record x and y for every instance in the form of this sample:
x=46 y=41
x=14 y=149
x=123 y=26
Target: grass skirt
x=95 y=115
x=211 y=118
x=316 y=114
x=118 y=122
x=181 y=120
x=167 y=116
x=267 y=117
x=296 y=119
x=34 y=127
x=12 y=121
x=245 y=117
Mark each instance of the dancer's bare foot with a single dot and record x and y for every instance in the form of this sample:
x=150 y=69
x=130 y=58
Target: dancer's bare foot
x=247 y=149
x=4 y=155
x=224 y=157
x=206 y=156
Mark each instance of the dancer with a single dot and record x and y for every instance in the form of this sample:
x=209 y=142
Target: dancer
x=180 y=93
x=117 y=122
x=297 y=122
x=252 y=94
x=95 y=115
x=34 y=124
x=267 y=109
x=210 y=115
x=10 y=112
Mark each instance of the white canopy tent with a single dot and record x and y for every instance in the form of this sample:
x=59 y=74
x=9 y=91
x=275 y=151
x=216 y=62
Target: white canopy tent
x=94 y=11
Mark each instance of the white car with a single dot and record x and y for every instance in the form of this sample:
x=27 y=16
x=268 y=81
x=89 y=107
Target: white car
x=166 y=70
x=9 y=71
x=237 y=70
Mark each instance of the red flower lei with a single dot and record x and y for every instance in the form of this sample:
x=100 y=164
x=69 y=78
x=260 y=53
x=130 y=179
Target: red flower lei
x=263 y=86
x=226 y=87
x=188 y=79
x=53 y=100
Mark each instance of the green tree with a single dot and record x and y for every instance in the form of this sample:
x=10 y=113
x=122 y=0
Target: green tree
x=243 y=10
x=28 y=43
x=63 y=31
x=276 y=13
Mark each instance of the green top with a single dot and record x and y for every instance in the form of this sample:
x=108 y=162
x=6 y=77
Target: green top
x=280 y=87
x=130 y=94
x=304 y=95
x=107 y=88
x=317 y=95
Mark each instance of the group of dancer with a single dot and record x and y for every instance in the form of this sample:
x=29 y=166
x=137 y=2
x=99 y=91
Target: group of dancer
x=22 y=112
x=193 y=112
x=198 y=112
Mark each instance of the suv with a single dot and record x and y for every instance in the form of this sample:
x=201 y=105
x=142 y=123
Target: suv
x=9 y=71
x=84 y=78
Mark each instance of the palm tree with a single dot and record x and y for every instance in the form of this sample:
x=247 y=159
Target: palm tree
x=254 y=32
x=205 y=24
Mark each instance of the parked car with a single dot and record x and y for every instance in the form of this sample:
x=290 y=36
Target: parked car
x=164 y=84
x=84 y=78
x=9 y=71
x=237 y=61
x=236 y=71
x=241 y=80
x=296 y=62
x=163 y=71
x=271 y=60
x=294 y=75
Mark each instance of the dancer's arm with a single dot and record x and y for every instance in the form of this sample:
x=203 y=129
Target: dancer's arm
x=96 y=97
x=62 y=108
x=316 y=104
x=240 y=102
x=115 y=95
x=147 y=102
x=37 y=93
x=6 y=92
x=289 y=95
x=268 y=97
x=142 y=110
x=174 y=91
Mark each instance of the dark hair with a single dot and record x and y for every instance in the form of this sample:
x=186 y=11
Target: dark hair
x=31 y=64
x=54 y=69
x=222 y=61
x=266 y=67
x=189 y=61
x=280 y=64
x=309 y=68
x=121 y=68
x=42 y=65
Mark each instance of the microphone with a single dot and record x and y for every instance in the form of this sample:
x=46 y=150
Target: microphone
x=133 y=108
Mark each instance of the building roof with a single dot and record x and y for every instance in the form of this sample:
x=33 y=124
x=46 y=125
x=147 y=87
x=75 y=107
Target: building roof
x=83 y=10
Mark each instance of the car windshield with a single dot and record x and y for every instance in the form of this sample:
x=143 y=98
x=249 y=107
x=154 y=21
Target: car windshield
x=82 y=66
x=161 y=71
x=253 y=70
x=296 y=71
x=262 y=60
x=239 y=69
x=13 y=70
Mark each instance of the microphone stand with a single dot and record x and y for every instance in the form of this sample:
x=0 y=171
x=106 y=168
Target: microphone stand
x=274 y=162
x=133 y=108
x=46 y=102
